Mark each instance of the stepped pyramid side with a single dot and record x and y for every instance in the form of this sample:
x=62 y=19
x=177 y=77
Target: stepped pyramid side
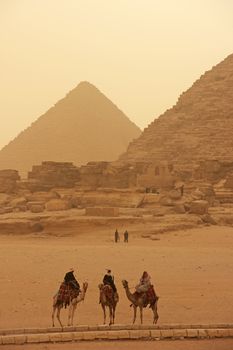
x=198 y=127
x=84 y=126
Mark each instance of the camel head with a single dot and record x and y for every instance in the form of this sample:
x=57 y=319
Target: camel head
x=125 y=283
x=85 y=286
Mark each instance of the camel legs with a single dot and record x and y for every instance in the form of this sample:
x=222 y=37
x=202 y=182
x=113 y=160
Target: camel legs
x=111 y=315
x=72 y=309
x=155 y=312
x=58 y=315
x=104 y=311
x=53 y=313
x=58 y=308
x=141 y=314
x=134 y=313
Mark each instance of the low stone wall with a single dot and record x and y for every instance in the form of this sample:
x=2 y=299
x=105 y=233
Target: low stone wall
x=115 y=332
x=105 y=211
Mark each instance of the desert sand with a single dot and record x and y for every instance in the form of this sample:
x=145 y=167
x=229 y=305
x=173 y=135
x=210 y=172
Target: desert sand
x=191 y=271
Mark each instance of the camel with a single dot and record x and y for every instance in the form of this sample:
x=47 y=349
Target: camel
x=107 y=299
x=140 y=302
x=72 y=306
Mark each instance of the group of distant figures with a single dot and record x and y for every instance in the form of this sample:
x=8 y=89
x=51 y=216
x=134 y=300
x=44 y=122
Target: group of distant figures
x=117 y=236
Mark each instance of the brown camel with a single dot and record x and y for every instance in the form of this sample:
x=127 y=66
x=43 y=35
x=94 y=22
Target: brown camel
x=139 y=301
x=108 y=299
x=72 y=306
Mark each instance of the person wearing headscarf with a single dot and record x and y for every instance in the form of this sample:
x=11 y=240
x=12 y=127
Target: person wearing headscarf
x=71 y=280
x=144 y=283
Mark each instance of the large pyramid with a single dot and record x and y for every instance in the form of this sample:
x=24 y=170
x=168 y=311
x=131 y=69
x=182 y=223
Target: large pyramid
x=199 y=127
x=84 y=126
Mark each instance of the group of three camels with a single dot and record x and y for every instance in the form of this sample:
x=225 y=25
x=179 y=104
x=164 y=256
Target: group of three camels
x=107 y=300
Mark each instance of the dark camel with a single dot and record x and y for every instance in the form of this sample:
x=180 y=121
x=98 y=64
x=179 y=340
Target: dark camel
x=107 y=299
x=72 y=306
x=139 y=301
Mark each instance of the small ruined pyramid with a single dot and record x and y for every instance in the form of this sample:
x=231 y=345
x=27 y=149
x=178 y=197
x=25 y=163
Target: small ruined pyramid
x=84 y=126
x=199 y=127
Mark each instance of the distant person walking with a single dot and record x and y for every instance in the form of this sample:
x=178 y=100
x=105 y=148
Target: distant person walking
x=126 y=236
x=117 y=236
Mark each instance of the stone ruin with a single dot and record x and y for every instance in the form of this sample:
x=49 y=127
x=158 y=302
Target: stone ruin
x=8 y=180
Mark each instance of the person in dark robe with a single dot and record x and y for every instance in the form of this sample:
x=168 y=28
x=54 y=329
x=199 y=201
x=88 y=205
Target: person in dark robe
x=71 y=280
x=117 y=237
x=109 y=279
x=126 y=236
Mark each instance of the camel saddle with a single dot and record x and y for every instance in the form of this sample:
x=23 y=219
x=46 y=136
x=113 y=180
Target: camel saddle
x=66 y=294
x=149 y=297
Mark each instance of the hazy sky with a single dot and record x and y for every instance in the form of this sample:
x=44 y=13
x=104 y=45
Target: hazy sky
x=141 y=53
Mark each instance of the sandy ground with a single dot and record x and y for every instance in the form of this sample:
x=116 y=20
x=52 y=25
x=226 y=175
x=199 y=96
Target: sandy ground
x=191 y=270
x=212 y=344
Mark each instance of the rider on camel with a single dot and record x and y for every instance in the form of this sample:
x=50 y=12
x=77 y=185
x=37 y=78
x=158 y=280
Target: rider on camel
x=71 y=280
x=109 y=279
x=145 y=287
x=144 y=283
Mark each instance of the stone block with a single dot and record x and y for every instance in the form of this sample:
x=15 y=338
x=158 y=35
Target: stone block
x=212 y=333
x=44 y=338
x=90 y=335
x=155 y=333
x=223 y=333
x=8 y=339
x=78 y=336
x=55 y=337
x=112 y=212
x=20 y=339
x=33 y=338
x=202 y=333
x=144 y=333
x=134 y=326
x=199 y=207
x=54 y=329
x=35 y=330
x=92 y=328
x=103 y=327
x=116 y=326
x=82 y=328
x=179 y=333
x=93 y=211
x=57 y=204
x=192 y=333
x=113 y=334
x=69 y=329
x=134 y=334
x=123 y=334
x=67 y=336
x=37 y=208
x=102 y=335
x=179 y=209
x=175 y=194
x=166 y=333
